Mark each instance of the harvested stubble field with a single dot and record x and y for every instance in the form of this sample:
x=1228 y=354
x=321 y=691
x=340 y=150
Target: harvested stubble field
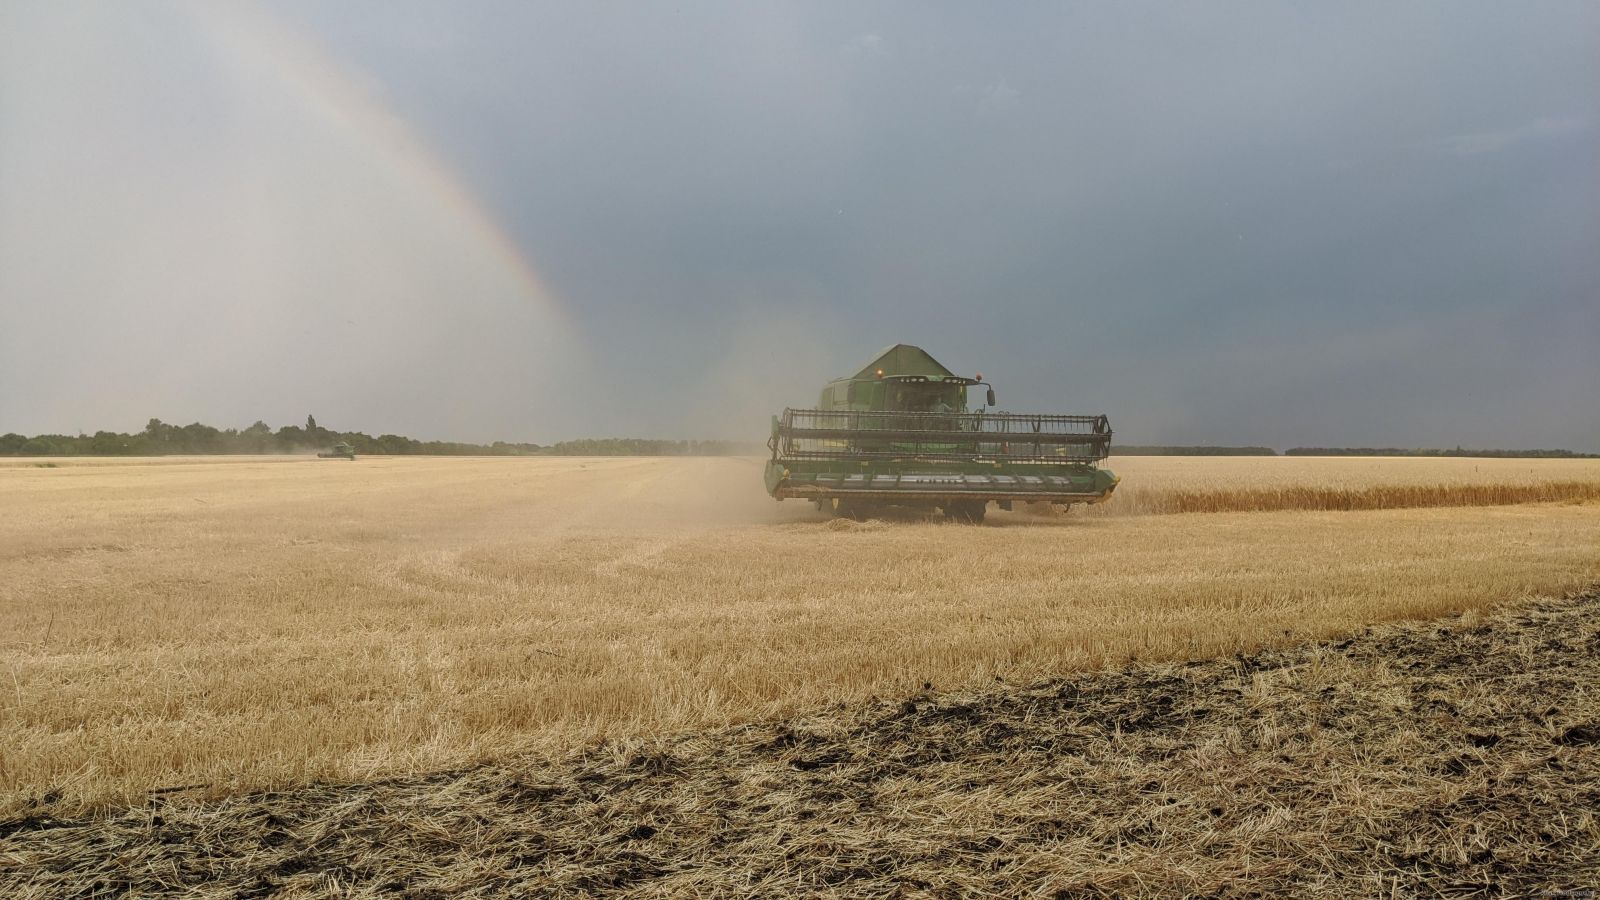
x=1460 y=758
x=266 y=623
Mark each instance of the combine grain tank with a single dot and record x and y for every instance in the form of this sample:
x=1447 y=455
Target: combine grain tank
x=899 y=433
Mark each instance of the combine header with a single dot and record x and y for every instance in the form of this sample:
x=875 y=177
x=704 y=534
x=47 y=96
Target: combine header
x=898 y=433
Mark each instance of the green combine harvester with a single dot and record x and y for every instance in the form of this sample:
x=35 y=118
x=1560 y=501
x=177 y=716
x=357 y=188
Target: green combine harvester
x=899 y=433
x=341 y=450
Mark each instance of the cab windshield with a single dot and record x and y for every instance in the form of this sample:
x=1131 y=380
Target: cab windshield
x=928 y=397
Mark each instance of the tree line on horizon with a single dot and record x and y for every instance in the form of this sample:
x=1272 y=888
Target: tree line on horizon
x=1457 y=452
x=161 y=439
x=1164 y=450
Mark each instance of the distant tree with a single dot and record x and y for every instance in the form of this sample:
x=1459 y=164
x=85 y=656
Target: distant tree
x=397 y=444
x=290 y=438
x=198 y=438
x=109 y=443
x=316 y=434
x=256 y=439
x=44 y=445
x=158 y=435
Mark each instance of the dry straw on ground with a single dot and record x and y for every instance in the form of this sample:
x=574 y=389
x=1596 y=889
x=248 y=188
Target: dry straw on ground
x=1454 y=759
x=266 y=623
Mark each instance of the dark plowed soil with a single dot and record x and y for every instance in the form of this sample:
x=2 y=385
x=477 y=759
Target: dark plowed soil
x=1457 y=758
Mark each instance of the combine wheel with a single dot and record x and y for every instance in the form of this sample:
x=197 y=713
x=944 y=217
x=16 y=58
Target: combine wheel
x=968 y=511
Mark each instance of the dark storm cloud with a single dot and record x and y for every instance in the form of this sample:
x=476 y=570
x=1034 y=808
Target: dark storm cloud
x=1275 y=224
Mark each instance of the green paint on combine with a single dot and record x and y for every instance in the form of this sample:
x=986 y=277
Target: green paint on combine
x=899 y=433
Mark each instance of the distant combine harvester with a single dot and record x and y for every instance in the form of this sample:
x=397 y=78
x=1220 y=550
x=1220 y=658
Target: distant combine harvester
x=899 y=433
x=341 y=450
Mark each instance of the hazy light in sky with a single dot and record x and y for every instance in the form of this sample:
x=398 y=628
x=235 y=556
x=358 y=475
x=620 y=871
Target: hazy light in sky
x=206 y=218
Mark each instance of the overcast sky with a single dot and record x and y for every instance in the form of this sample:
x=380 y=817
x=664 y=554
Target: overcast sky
x=1278 y=224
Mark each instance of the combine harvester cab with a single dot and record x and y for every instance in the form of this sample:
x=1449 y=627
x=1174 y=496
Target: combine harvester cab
x=899 y=433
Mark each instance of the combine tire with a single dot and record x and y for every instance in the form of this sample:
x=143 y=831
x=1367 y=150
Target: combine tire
x=967 y=511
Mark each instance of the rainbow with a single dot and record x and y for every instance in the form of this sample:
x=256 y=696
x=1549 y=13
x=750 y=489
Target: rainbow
x=249 y=35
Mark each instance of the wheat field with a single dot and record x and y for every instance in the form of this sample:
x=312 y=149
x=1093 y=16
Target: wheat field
x=1169 y=484
x=248 y=623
